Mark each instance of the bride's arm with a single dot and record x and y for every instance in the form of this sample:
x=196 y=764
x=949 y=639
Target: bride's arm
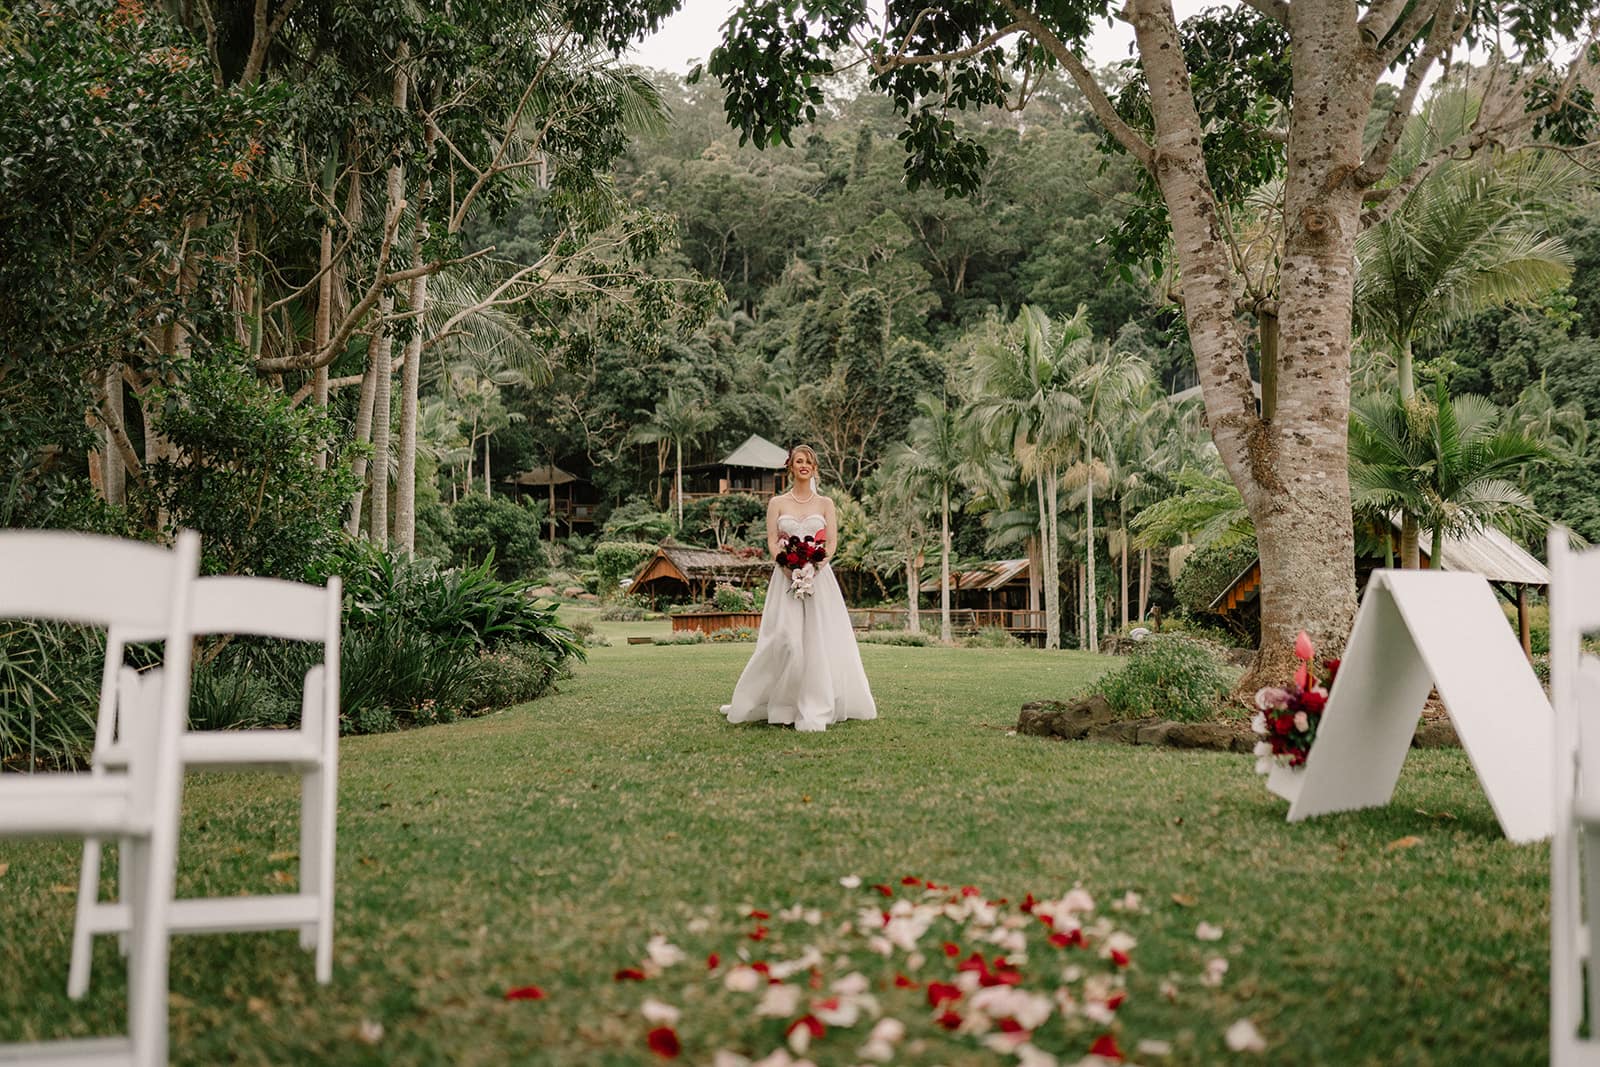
x=772 y=531
x=830 y=515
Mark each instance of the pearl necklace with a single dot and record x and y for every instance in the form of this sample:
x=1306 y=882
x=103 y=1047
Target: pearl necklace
x=797 y=500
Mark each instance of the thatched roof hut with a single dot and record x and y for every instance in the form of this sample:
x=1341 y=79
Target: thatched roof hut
x=679 y=570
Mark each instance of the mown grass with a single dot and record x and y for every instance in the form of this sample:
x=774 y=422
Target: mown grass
x=546 y=844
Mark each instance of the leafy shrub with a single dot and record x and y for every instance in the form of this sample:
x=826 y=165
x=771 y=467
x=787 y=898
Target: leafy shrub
x=992 y=637
x=230 y=692
x=637 y=520
x=616 y=560
x=688 y=637
x=514 y=675
x=1209 y=571
x=494 y=528
x=625 y=608
x=726 y=517
x=49 y=692
x=735 y=634
x=1170 y=676
x=895 y=637
x=732 y=598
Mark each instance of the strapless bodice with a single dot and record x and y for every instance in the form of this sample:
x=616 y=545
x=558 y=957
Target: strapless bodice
x=801 y=524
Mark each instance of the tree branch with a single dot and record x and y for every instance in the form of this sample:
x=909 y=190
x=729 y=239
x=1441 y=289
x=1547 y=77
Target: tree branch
x=1380 y=19
x=338 y=253
x=1276 y=10
x=1407 y=32
x=119 y=436
x=885 y=64
x=1443 y=38
x=1103 y=108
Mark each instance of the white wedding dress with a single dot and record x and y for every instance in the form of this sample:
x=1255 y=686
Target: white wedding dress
x=806 y=670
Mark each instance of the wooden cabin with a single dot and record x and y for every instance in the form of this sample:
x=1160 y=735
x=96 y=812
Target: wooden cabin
x=569 y=499
x=1000 y=585
x=1510 y=571
x=757 y=466
x=678 y=572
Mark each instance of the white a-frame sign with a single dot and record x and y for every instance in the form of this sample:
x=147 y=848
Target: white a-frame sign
x=1417 y=630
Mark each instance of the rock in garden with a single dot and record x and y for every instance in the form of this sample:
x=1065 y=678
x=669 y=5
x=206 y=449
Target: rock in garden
x=1215 y=736
x=543 y=590
x=588 y=598
x=572 y=591
x=1071 y=721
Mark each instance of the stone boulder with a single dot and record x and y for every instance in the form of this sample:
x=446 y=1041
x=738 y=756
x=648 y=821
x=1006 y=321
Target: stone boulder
x=572 y=592
x=1070 y=721
x=1214 y=736
x=543 y=590
x=588 y=598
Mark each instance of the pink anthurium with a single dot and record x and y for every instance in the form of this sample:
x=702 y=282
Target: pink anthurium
x=1302 y=646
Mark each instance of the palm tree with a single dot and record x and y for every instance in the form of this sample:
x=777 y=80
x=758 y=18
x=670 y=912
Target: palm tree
x=932 y=459
x=1105 y=382
x=1023 y=406
x=679 y=419
x=1445 y=464
x=1469 y=238
x=899 y=530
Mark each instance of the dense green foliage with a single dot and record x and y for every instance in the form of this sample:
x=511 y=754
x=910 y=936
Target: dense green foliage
x=1169 y=676
x=494 y=528
x=1209 y=571
x=616 y=560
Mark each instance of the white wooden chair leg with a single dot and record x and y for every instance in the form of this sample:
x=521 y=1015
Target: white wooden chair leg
x=130 y=854
x=1589 y=857
x=310 y=851
x=82 y=935
x=327 y=816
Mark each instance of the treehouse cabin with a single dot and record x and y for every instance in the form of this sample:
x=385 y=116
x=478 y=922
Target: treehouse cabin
x=1001 y=585
x=569 y=500
x=1510 y=571
x=678 y=572
x=757 y=467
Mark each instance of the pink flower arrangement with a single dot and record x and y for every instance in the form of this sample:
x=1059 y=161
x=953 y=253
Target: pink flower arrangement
x=1287 y=719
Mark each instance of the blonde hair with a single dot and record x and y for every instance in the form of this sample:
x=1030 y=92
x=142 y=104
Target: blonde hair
x=788 y=464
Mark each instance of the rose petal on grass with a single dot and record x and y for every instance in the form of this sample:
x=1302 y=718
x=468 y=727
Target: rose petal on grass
x=724 y=1058
x=525 y=992
x=712 y=961
x=662 y=1014
x=851 y=881
x=942 y=992
x=743 y=980
x=664 y=953
x=902 y=982
x=1105 y=1046
x=950 y=1020
x=1243 y=1036
x=1206 y=932
x=779 y=1001
x=1409 y=841
x=369 y=1031
x=663 y=1041
x=629 y=974
x=1149 y=1046
x=886 y=890
x=1216 y=967
x=803 y=1031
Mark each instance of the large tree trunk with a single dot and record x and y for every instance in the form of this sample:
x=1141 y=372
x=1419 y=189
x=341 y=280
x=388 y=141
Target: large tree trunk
x=1410 y=550
x=113 y=471
x=382 y=361
x=322 y=326
x=677 y=485
x=1405 y=371
x=944 y=565
x=1292 y=470
x=405 y=485
x=1050 y=547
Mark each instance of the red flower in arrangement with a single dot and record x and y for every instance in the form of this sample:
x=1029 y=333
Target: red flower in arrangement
x=526 y=992
x=762 y=915
x=1105 y=1046
x=629 y=974
x=1287 y=719
x=663 y=1041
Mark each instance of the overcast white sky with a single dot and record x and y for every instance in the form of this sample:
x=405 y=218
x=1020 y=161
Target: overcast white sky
x=689 y=35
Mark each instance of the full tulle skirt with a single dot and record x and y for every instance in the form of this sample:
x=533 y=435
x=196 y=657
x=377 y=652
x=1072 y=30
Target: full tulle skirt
x=806 y=670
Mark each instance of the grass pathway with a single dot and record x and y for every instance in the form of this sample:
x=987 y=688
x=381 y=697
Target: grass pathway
x=546 y=844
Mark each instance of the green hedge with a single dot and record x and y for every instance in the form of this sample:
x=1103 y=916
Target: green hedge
x=1209 y=571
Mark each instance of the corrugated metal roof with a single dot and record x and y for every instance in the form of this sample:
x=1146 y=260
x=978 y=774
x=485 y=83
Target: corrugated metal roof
x=992 y=575
x=758 y=452
x=549 y=475
x=1491 y=554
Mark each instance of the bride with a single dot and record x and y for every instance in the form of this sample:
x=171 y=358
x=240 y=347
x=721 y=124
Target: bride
x=806 y=670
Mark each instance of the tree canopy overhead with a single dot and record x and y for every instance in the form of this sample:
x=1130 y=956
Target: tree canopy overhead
x=1211 y=111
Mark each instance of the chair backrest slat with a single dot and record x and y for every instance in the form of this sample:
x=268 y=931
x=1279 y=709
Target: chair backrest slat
x=263 y=607
x=85 y=578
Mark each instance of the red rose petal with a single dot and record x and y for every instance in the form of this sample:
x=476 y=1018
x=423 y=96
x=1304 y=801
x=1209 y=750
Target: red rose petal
x=951 y=950
x=908 y=880
x=526 y=992
x=902 y=982
x=712 y=961
x=663 y=1041
x=809 y=1022
x=969 y=890
x=830 y=1004
x=940 y=992
x=1010 y=1026
x=761 y=967
x=886 y=890
x=758 y=934
x=1115 y=1000
x=759 y=915
x=1027 y=903
x=629 y=974
x=974 y=962
x=1119 y=957
x=949 y=1020
x=1105 y=1046
x=1048 y=920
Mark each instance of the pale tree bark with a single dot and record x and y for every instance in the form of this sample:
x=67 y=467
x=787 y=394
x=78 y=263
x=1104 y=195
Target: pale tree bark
x=1410 y=547
x=383 y=345
x=363 y=434
x=1144 y=584
x=913 y=592
x=1035 y=572
x=677 y=483
x=1052 y=552
x=1090 y=591
x=322 y=325
x=1405 y=371
x=488 y=485
x=1122 y=601
x=944 y=564
x=113 y=471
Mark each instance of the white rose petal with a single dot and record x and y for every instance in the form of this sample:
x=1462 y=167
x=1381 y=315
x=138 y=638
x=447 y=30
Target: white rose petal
x=1216 y=967
x=1206 y=932
x=852 y=984
x=851 y=881
x=1029 y=1056
x=699 y=925
x=663 y=953
x=890 y=1030
x=724 y=1058
x=779 y=1001
x=1243 y=1036
x=370 y=1031
x=1149 y=1046
x=659 y=1013
x=876 y=1051
x=743 y=980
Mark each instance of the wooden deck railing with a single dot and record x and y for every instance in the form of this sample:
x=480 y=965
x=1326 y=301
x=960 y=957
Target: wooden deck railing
x=962 y=620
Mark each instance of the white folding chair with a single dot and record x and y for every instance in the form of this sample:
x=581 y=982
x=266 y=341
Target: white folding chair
x=1575 y=843
x=257 y=607
x=102 y=581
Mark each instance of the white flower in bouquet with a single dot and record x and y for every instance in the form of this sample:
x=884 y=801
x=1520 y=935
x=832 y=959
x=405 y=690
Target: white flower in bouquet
x=800 y=584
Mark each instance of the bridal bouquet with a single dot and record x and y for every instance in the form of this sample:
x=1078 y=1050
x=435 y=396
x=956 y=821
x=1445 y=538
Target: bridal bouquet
x=802 y=555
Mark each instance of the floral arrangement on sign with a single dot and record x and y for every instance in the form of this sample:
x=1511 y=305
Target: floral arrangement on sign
x=1287 y=719
x=802 y=555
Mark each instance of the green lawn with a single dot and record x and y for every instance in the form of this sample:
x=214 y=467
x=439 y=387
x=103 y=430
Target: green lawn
x=546 y=844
